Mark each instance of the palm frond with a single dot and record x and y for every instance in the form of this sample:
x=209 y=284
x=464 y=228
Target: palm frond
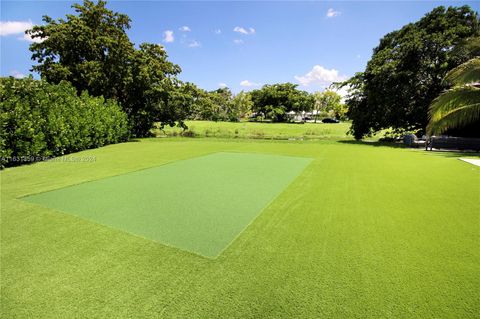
x=468 y=72
x=456 y=107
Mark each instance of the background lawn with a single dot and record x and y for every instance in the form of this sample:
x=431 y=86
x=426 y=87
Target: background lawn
x=262 y=130
x=366 y=231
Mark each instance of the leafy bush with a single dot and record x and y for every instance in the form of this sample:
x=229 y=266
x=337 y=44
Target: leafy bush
x=38 y=119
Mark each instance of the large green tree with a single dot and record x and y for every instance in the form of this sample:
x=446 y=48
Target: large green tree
x=91 y=50
x=215 y=105
x=242 y=104
x=329 y=102
x=154 y=93
x=222 y=104
x=406 y=71
x=275 y=101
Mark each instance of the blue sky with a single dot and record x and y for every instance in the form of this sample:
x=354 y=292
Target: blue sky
x=239 y=44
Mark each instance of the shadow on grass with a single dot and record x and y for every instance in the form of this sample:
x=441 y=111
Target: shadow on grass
x=270 y=122
x=452 y=153
x=372 y=143
x=135 y=140
x=443 y=153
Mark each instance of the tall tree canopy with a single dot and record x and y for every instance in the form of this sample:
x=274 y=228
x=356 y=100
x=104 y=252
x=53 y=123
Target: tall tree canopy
x=406 y=72
x=91 y=50
x=218 y=105
x=275 y=101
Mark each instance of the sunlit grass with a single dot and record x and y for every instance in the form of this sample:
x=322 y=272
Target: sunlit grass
x=261 y=130
x=365 y=231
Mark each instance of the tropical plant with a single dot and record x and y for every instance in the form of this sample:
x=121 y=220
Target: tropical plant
x=460 y=105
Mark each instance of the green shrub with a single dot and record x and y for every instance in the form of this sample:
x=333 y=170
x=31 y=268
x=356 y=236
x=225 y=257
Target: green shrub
x=40 y=120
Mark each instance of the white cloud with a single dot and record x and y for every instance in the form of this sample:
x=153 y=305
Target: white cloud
x=185 y=28
x=238 y=41
x=240 y=30
x=218 y=31
x=247 y=83
x=14 y=27
x=332 y=13
x=27 y=37
x=343 y=92
x=222 y=85
x=168 y=36
x=244 y=31
x=17 y=75
x=320 y=76
x=194 y=44
x=18 y=27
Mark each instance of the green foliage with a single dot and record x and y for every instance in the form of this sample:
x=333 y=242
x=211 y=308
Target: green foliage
x=155 y=94
x=466 y=49
x=275 y=101
x=218 y=105
x=221 y=100
x=41 y=120
x=455 y=108
x=92 y=51
x=330 y=103
x=468 y=72
x=459 y=106
x=406 y=72
x=242 y=104
x=209 y=105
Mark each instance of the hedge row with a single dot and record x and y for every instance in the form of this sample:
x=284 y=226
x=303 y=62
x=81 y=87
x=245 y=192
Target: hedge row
x=39 y=120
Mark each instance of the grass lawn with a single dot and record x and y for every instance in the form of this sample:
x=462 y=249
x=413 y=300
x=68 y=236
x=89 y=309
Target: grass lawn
x=263 y=130
x=199 y=204
x=364 y=231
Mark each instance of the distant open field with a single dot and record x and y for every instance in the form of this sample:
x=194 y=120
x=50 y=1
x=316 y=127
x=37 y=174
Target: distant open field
x=263 y=130
x=359 y=230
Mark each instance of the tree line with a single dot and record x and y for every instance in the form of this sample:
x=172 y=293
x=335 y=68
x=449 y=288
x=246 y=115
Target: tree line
x=273 y=102
x=92 y=51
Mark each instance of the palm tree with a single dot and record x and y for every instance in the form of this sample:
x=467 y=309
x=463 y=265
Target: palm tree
x=460 y=105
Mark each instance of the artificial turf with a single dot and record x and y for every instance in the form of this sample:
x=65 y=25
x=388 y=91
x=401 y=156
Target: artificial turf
x=199 y=205
x=366 y=231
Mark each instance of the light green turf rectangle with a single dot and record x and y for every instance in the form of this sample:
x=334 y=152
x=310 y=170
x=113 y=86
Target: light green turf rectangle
x=199 y=205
